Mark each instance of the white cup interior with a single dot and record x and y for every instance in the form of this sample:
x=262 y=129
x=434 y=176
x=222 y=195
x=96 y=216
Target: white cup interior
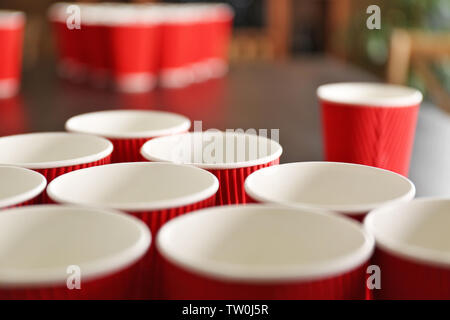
x=134 y=186
x=18 y=185
x=52 y=149
x=341 y=187
x=39 y=243
x=418 y=230
x=129 y=123
x=213 y=149
x=264 y=243
x=370 y=94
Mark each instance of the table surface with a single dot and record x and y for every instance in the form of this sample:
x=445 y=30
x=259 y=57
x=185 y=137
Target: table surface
x=253 y=95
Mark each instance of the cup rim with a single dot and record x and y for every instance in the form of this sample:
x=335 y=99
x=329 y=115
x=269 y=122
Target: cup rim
x=182 y=13
x=354 y=209
x=107 y=150
x=55 y=11
x=98 y=268
x=146 y=151
x=226 y=272
x=11 y=19
x=138 y=206
x=146 y=14
x=127 y=14
x=405 y=250
x=75 y=124
x=343 y=93
x=27 y=195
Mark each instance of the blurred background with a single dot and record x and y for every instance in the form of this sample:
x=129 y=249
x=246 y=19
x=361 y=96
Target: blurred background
x=280 y=51
x=282 y=29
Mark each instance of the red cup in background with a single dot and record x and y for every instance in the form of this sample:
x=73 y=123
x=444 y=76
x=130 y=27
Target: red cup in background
x=47 y=248
x=264 y=252
x=412 y=249
x=134 y=36
x=220 y=23
x=138 y=44
x=200 y=31
x=12 y=24
x=185 y=31
x=197 y=22
x=369 y=123
x=230 y=156
x=349 y=189
x=181 y=44
x=54 y=153
x=195 y=43
x=152 y=192
x=57 y=17
x=19 y=186
x=94 y=39
x=69 y=41
x=128 y=130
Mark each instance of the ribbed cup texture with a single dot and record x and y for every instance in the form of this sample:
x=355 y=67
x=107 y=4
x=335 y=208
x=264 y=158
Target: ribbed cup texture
x=52 y=173
x=151 y=276
x=231 y=183
x=127 y=150
x=35 y=200
x=122 y=284
x=185 y=285
x=376 y=136
x=356 y=216
x=405 y=279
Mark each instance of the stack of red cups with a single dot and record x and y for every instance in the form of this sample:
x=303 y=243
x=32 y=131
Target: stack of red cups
x=135 y=46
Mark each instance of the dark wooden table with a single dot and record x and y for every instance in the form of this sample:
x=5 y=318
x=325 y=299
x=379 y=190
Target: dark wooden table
x=253 y=95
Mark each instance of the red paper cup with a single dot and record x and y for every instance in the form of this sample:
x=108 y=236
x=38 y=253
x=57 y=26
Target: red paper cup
x=19 y=186
x=12 y=24
x=152 y=192
x=94 y=39
x=369 y=123
x=45 y=249
x=72 y=56
x=200 y=31
x=57 y=17
x=220 y=23
x=202 y=24
x=230 y=156
x=195 y=43
x=54 y=153
x=349 y=189
x=128 y=130
x=412 y=249
x=264 y=252
x=180 y=44
x=133 y=43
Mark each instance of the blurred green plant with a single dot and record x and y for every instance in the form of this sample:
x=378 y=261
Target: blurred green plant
x=371 y=47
